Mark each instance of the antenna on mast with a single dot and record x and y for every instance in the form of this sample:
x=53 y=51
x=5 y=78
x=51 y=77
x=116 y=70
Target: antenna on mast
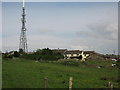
x=23 y=3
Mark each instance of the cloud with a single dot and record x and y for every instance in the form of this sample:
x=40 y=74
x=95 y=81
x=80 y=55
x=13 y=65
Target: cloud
x=44 y=41
x=100 y=30
x=36 y=41
x=113 y=29
x=52 y=41
x=58 y=27
x=39 y=31
x=62 y=1
x=10 y=43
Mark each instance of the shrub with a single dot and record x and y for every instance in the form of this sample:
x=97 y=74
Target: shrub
x=7 y=55
x=16 y=54
x=70 y=63
x=44 y=54
x=30 y=56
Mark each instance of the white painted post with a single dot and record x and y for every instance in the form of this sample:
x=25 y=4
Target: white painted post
x=46 y=82
x=70 y=83
x=110 y=85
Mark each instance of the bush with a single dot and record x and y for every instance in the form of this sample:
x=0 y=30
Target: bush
x=7 y=55
x=70 y=63
x=16 y=54
x=29 y=56
x=11 y=54
x=44 y=54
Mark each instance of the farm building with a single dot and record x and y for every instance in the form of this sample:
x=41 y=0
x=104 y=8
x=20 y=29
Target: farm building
x=77 y=54
x=74 y=54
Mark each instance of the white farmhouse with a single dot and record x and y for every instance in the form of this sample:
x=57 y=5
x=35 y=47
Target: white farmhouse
x=76 y=54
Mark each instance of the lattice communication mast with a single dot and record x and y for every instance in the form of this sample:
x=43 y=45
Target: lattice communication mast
x=23 y=39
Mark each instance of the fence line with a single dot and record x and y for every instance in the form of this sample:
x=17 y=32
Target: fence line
x=110 y=85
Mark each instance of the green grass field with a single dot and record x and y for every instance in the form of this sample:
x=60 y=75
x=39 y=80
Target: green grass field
x=19 y=73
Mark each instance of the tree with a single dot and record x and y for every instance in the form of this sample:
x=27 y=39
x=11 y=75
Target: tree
x=16 y=54
x=20 y=50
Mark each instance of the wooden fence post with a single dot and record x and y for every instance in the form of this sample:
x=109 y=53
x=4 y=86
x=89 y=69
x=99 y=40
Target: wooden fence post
x=46 y=82
x=70 y=83
x=110 y=85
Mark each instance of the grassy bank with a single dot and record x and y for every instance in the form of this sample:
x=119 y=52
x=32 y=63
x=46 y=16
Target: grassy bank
x=19 y=73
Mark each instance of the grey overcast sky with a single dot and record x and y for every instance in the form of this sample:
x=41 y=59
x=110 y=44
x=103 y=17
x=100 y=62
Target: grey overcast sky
x=61 y=0
x=70 y=25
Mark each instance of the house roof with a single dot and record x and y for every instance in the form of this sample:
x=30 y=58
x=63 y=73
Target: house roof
x=62 y=51
x=73 y=52
x=65 y=51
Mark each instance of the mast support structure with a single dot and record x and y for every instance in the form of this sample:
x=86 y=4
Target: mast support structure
x=23 y=39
